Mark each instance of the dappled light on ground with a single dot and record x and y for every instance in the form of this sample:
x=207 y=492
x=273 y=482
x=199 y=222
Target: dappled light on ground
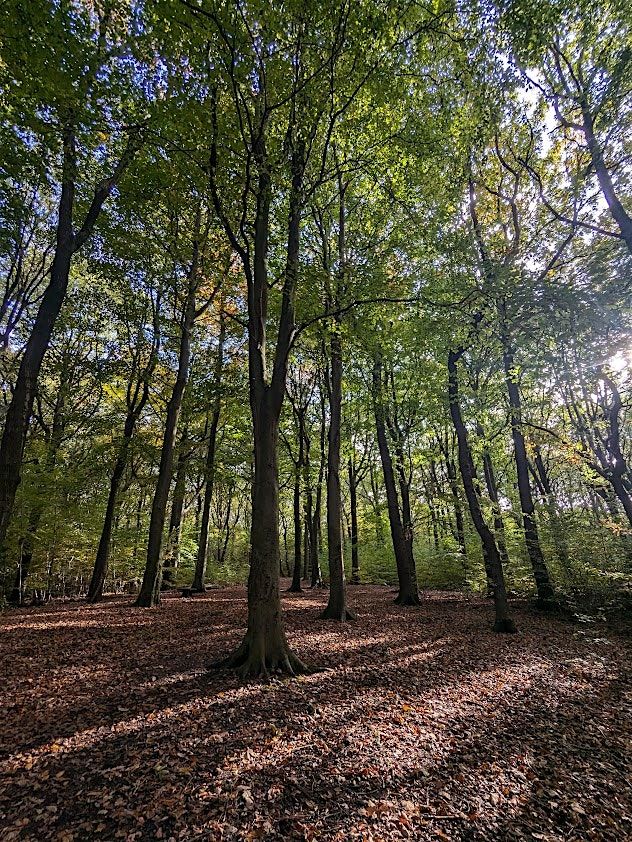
x=420 y=724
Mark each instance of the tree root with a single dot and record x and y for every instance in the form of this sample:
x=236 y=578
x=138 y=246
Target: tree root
x=407 y=599
x=337 y=614
x=294 y=589
x=506 y=626
x=251 y=661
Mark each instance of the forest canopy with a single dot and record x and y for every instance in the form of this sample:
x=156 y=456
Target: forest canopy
x=336 y=291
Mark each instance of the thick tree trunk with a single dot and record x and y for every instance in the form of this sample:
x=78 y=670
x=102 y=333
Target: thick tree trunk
x=353 y=494
x=336 y=607
x=264 y=648
x=408 y=593
x=503 y=621
x=546 y=594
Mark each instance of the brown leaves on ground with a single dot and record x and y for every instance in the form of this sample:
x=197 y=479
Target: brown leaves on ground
x=422 y=725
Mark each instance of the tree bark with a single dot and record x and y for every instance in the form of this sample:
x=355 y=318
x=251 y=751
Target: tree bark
x=264 y=648
x=503 y=622
x=68 y=242
x=295 y=587
x=336 y=607
x=149 y=594
x=408 y=593
x=353 y=494
x=202 y=550
x=315 y=526
x=174 y=532
x=546 y=594
x=99 y=572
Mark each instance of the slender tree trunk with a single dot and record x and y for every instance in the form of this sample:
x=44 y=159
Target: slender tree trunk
x=315 y=528
x=149 y=594
x=54 y=443
x=27 y=548
x=295 y=587
x=21 y=406
x=408 y=593
x=458 y=509
x=557 y=527
x=492 y=493
x=202 y=550
x=336 y=607
x=308 y=511
x=353 y=494
x=617 y=210
x=503 y=621
x=174 y=533
x=99 y=572
x=546 y=594
x=407 y=520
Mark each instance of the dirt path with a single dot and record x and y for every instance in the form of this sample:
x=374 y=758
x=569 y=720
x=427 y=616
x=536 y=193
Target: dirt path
x=422 y=725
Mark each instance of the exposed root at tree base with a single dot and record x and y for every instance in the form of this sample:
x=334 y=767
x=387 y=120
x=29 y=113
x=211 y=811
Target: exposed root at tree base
x=505 y=626
x=252 y=662
x=294 y=589
x=337 y=614
x=407 y=599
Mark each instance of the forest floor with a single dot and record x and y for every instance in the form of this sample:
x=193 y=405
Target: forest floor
x=422 y=724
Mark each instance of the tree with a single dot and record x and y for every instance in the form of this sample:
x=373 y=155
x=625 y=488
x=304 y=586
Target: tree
x=83 y=57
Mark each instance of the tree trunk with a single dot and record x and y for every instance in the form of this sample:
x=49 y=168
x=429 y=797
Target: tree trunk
x=264 y=648
x=458 y=510
x=149 y=594
x=408 y=593
x=99 y=572
x=557 y=527
x=492 y=493
x=336 y=607
x=315 y=527
x=21 y=406
x=546 y=594
x=503 y=621
x=202 y=550
x=353 y=494
x=67 y=243
x=617 y=210
x=174 y=533
x=295 y=587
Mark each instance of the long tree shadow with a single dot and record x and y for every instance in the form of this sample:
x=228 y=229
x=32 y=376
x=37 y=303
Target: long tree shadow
x=414 y=706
